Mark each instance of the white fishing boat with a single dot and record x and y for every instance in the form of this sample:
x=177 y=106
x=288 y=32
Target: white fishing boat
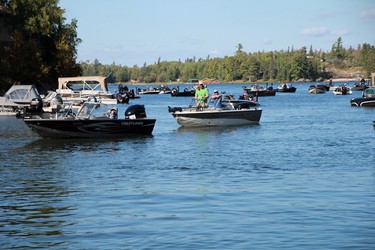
x=223 y=111
x=342 y=90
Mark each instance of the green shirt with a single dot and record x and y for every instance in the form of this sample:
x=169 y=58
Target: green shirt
x=201 y=95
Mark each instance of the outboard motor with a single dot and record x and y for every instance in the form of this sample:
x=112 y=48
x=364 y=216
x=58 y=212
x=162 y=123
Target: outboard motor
x=36 y=105
x=56 y=103
x=135 y=112
x=174 y=109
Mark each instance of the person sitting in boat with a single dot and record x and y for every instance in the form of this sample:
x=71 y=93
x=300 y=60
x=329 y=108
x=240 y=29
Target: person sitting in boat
x=201 y=95
x=215 y=95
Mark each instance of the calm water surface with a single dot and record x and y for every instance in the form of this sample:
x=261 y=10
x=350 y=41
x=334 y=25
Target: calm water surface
x=302 y=179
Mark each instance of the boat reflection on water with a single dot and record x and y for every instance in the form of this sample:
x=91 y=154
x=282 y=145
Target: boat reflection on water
x=83 y=144
x=213 y=129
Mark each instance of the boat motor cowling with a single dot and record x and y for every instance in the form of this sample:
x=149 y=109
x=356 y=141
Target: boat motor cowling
x=36 y=105
x=56 y=103
x=135 y=111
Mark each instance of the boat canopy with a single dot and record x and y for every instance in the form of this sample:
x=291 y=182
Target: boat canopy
x=20 y=94
x=97 y=83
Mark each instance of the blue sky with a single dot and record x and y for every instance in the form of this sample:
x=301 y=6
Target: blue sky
x=130 y=32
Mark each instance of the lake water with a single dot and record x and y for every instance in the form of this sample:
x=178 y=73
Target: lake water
x=302 y=179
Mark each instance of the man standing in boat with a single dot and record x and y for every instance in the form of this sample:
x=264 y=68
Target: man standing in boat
x=201 y=95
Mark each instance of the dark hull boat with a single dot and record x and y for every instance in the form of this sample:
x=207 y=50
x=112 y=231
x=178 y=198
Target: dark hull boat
x=72 y=128
x=367 y=99
x=317 y=89
x=63 y=123
x=286 y=88
x=267 y=92
x=260 y=90
x=187 y=92
x=363 y=102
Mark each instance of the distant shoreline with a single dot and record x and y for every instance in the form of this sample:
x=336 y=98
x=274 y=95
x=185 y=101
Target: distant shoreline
x=239 y=82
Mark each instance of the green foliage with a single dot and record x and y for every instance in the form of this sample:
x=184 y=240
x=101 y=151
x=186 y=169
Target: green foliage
x=43 y=46
x=290 y=65
x=367 y=57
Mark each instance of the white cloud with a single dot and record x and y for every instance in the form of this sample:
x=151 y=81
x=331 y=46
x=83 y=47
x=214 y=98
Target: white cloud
x=368 y=13
x=214 y=52
x=321 y=31
x=341 y=32
x=267 y=41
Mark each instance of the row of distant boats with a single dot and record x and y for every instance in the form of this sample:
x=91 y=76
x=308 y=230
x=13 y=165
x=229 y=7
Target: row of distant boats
x=91 y=110
x=337 y=90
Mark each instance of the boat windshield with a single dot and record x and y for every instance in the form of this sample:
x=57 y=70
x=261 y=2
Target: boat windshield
x=219 y=102
x=87 y=109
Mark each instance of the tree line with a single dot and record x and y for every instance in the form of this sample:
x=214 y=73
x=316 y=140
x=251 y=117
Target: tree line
x=42 y=46
x=290 y=65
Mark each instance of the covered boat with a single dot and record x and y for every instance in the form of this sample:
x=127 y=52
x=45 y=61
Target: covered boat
x=83 y=87
x=223 y=111
x=18 y=97
x=90 y=121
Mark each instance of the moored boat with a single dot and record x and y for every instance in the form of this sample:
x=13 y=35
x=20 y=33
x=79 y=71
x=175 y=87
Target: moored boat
x=84 y=87
x=19 y=97
x=223 y=111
